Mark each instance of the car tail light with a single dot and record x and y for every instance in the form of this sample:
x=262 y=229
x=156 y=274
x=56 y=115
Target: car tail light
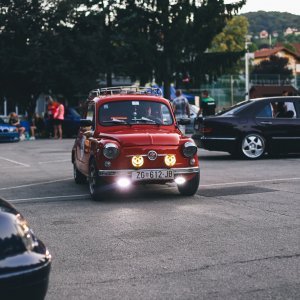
x=204 y=130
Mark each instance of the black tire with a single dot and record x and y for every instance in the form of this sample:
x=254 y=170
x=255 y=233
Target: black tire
x=190 y=187
x=79 y=178
x=252 y=146
x=95 y=182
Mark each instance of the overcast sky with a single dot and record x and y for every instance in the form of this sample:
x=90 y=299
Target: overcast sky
x=291 y=6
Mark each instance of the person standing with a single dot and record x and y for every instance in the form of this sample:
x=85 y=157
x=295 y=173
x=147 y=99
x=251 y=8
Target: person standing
x=51 y=109
x=58 y=120
x=207 y=105
x=181 y=108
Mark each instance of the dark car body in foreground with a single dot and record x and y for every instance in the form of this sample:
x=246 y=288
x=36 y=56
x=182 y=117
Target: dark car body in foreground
x=253 y=128
x=8 y=133
x=24 y=260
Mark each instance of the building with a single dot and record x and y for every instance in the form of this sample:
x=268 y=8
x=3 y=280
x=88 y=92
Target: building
x=263 y=34
x=293 y=57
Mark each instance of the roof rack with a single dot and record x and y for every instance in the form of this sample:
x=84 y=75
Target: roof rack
x=125 y=90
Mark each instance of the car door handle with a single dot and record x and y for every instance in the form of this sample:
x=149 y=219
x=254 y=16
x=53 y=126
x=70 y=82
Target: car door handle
x=266 y=123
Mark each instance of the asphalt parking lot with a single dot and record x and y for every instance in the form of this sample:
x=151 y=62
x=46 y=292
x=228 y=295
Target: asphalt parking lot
x=237 y=238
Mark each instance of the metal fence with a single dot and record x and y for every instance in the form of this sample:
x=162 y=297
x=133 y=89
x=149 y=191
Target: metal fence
x=230 y=89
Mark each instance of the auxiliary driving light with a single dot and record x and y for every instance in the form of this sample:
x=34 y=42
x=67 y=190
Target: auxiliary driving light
x=180 y=180
x=123 y=182
x=170 y=160
x=137 y=161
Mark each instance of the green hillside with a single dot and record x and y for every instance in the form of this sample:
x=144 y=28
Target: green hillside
x=271 y=21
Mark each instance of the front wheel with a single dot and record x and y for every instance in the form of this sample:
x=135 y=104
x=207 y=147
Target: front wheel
x=253 y=146
x=79 y=178
x=190 y=187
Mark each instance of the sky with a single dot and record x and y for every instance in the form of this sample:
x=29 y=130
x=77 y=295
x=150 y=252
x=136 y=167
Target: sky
x=291 y=6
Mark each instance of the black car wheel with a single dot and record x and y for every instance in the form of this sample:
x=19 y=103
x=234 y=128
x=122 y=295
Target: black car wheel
x=253 y=146
x=190 y=187
x=79 y=178
x=94 y=181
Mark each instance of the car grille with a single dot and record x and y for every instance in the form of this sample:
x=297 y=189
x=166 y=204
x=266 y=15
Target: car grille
x=3 y=130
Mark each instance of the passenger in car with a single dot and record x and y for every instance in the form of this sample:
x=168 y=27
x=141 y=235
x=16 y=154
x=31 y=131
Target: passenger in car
x=280 y=110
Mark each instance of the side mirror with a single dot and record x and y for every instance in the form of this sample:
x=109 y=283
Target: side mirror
x=184 y=121
x=86 y=123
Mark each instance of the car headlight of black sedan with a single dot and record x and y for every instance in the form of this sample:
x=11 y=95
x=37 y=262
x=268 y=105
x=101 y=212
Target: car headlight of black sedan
x=25 y=262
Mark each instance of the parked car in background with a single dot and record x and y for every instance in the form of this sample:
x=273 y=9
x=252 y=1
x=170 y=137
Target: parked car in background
x=252 y=128
x=25 y=262
x=71 y=122
x=129 y=136
x=8 y=133
x=189 y=128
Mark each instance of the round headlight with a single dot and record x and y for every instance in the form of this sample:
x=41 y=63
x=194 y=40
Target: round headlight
x=189 y=149
x=170 y=160
x=137 y=161
x=111 y=151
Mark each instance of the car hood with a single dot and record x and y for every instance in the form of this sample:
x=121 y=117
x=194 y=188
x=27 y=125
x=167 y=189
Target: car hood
x=145 y=138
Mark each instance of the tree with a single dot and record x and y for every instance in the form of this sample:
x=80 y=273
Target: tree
x=275 y=65
x=233 y=36
x=181 y=31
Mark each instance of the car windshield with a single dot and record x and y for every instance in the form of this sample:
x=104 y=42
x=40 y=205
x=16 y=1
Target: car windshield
x=235 y=108
x=131 y=112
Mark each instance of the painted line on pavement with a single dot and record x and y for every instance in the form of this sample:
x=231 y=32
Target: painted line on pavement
x=53 y=161
x=251 y=181
x=50 y=197
x=33 y=184
x=14 y=162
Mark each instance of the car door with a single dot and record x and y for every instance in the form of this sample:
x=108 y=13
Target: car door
x=281 y=130
x=83 y=142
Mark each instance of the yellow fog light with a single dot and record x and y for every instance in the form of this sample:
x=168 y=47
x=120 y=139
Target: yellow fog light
x=137 y=161
x=170 y=160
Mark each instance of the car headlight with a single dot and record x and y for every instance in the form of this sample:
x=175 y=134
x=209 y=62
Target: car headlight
x=12 y=129
x=111 y=151
x=137 y=161
x=189 y=149
x=26 y=234
x=170 y=160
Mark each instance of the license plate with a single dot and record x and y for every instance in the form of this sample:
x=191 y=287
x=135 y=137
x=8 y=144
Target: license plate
x=152 y=175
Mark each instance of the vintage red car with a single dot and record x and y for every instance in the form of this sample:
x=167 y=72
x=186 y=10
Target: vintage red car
x=129 y=136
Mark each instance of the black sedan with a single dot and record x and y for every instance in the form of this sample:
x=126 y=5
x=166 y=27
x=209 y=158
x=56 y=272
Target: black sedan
x=252 y=128
x=24 y=260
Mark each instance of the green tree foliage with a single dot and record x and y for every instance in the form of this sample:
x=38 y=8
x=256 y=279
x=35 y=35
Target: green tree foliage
x=271 y=21
x=175 y=33
x=232 y=38
x=61 y=46
x=275 y=65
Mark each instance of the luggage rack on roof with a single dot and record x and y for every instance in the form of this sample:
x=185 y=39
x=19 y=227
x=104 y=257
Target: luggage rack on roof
x=125 y=90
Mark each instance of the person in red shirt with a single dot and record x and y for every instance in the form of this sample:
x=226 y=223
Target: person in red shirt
x=51 y=109
x=58 y=117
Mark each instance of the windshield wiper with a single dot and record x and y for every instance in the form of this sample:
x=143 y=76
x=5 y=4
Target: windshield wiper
x=146 y=120
x=116 y=121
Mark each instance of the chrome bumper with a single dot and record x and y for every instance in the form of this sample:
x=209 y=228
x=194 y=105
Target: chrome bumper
x=177 y=171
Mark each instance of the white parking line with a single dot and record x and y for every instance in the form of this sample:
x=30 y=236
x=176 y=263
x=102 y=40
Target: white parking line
x=52 y=197
x=33 y=184
x=251 y=181
x=54 y=161
x=14 y=162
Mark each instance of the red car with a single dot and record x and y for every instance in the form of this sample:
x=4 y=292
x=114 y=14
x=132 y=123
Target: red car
x=129 y=136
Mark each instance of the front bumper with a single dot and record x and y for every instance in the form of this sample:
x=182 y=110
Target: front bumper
x=119 y=173
x=25 y=275
x=226 y=144
x=9 y=137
